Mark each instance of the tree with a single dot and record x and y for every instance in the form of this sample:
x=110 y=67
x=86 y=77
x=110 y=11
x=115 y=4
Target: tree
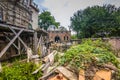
x=73 y=36
x=45 y=19
x=97 y=21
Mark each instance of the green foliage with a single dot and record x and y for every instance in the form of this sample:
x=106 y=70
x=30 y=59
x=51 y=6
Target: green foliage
x=20 y=71
x=73 y=36
x=45 y=19
x=97 y=21
x=89 y=52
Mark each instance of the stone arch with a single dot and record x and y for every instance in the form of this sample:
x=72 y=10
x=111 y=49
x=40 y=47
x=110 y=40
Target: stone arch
x=57 y=39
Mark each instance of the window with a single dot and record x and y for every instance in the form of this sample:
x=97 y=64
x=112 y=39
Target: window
x=66 y=38
x=1 y=14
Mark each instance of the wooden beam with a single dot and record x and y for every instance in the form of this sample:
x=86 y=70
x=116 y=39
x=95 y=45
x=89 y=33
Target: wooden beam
x=16 y=28
x=10 y=43
x=18 y=38
x=36 y=71
x=46 y=68
x=67 y=73
x=35 y=42
x=47 y=75
x=19 y=47
x=42 y=47
x=39 y=42
x=10 y=40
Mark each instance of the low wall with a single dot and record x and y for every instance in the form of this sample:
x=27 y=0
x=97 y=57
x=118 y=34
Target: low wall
x=115 y=43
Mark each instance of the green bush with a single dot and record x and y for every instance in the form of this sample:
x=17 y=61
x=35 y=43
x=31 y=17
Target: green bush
x=95 y=52
x=20 y=71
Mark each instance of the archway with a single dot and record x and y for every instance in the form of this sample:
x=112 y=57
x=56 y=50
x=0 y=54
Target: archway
x=57 y=39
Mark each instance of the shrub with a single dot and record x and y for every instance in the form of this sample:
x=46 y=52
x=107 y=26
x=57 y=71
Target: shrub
x=20 y=71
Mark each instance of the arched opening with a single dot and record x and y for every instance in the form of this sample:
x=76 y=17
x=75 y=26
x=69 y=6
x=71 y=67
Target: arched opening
x=57 y=39
x=66 y=38
x=30 y=26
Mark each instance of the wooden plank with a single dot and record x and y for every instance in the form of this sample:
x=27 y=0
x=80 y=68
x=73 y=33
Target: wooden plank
x=46 y=67
x=82 y=75
x=16 y=28
x=51 y=57
x=39 y=42
x=29 y=54
x=41 y=46
x=68 y=74
x=35 y=43
x=103 y=75
x=10 y=43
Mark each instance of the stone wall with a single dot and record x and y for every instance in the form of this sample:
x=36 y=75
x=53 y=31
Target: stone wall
x=115 y=42
x=19 y=13
x=15 y=13
x=64 y=36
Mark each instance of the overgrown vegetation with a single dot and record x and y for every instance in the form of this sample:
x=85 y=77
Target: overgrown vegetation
x=19 y=71
x=74 y=36
x=89 y=53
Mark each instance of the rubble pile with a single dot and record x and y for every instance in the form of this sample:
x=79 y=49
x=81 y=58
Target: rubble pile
x=90 y=60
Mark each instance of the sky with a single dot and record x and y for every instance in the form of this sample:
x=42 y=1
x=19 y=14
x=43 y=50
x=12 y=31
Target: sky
x=62 y=10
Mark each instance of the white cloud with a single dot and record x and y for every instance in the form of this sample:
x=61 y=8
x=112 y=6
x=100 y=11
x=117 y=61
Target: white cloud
x=62 y=10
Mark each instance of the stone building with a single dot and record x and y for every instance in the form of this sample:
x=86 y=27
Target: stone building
x=18 y=27
x=60 y=34
x=19 y=13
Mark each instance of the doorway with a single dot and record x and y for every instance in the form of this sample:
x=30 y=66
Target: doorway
x=57 y=39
